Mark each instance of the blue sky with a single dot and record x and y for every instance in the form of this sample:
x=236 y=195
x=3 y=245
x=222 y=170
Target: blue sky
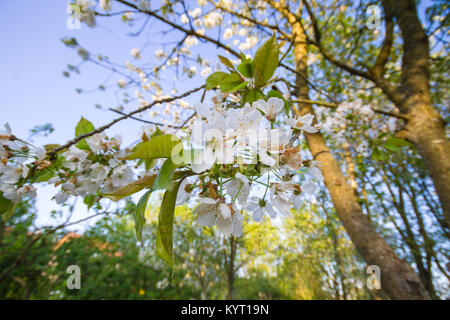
x=33 y=89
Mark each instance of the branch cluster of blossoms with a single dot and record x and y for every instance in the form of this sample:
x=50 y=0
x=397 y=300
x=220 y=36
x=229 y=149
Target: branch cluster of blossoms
x=246 y=154
x=14 y=167
x=146 y=78
x=355 y=116
x=245 y=163
x=93 y=169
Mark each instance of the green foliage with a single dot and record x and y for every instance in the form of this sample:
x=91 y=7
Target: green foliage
x=226 y=62
x=379 y=154
x=84 y=126
x=259 y=286
x=266 y=61
x=382 y=149
x=232 y=82
x=261 y=69
x=157 y=147
x=215 y=79
x=246 y=68
x=89 y=200
x=139 y=214
x=164 y=180
x=6 y=208
x=164 y=238
x=113 y=266
x=395 y=144
x=27 y=278
x=146 y=182
x=253 y=95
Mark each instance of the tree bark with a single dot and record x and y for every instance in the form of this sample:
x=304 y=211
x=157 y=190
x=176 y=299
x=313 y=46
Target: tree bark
x=397 y=277
x=231 y=270
x=425 y=127
x=350 y=169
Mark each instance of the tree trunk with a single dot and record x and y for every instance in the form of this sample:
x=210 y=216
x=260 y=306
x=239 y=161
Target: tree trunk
x=397 y=277
x=230 y=271
x=337 y=257
x=350 y=169
x=425 y=127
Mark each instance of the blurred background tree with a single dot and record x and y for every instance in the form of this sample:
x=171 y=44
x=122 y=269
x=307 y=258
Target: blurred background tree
x=260 y=265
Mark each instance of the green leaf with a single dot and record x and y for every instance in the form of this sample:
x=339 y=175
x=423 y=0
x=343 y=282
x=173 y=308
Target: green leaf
x=226 y=62
x=89 y=200
x=6 y=208
x=157 y=147
x=379 y=155
x=84 y=126
x=253 y=95
x=266 y=61
x=393 y=148
x=139 y=214
x=395 y=144
x=244 y=57
x=232 y=82
x=164 y=180
x=164 y=236
x=150 y=163
x=146 y=182
x=246 y=69
x=215 y=79
x=44 y=175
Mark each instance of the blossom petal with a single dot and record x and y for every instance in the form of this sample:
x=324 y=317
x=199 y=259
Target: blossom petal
x=297 y=200
x=205 y=215
x=252 y=206
x=316 y=173
x=309 y=129
x=276 y=103
x=257 y=214
x=272 y=213
x=266 y=159
x=207 y=201
x=225 y=226
x=282 y=205
x=308 y=187
x=225 y=211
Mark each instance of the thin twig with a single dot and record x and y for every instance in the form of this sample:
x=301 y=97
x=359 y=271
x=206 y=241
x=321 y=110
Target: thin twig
x=333 y=105
x=125 y=116
x=148 y=121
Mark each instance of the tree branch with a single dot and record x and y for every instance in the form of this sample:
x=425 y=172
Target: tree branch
x=125 y=116
x=383 y=56
x=333 y=105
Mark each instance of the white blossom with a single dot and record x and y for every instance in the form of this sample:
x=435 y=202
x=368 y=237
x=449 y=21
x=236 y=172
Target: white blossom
x=260 y=207
x=184 y=19
x=303 y=123
x=106 y=5
x=308 y=187
x=212 y=212
x=135 y=53
x=228 y=33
